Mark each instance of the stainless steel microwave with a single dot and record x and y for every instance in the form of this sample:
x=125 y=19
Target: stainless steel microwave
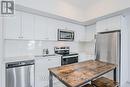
x=65 y=35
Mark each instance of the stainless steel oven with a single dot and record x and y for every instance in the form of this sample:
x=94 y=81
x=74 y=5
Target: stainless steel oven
x=67 y=56
x=69 y=59
x=65 y=35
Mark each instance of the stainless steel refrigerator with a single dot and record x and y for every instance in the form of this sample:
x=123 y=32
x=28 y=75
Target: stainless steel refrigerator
x=108 y=49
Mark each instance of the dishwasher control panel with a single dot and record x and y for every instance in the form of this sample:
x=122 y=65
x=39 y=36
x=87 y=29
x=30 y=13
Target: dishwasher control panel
x=19 y=63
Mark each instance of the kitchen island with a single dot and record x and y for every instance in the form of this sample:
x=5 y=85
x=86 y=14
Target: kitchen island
x=79 y=74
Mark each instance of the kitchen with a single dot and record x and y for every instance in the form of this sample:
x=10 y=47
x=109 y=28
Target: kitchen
x=35 y=32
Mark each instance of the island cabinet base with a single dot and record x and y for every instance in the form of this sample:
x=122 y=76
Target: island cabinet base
x=104 y=82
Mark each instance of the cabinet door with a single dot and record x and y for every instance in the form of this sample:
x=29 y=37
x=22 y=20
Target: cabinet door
x=54 y=61
x=12 y=26
x=41 y=28
x=113 y=23
x=41 y=69
x=52 y=29
x=110 y=24
x=41 y=72
x=80 y=33
x=90 y=32
x=101 y=26
x=27 y=26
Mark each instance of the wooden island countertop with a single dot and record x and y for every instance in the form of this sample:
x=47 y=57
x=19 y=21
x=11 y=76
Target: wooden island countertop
x=77 y=74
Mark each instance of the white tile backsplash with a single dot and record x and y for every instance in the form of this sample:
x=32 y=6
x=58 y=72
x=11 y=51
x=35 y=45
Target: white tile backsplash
x=90 y=48
x=25 y=48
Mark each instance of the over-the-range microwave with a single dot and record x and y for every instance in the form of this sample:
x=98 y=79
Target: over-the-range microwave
x=65 y=35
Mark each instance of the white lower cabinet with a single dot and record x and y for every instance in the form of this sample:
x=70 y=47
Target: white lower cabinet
x=41 y=70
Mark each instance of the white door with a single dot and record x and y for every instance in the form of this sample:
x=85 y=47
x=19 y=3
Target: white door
x=27 y=26
x=12 y=26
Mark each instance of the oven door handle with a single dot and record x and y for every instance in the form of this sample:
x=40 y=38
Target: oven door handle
x=64 y=57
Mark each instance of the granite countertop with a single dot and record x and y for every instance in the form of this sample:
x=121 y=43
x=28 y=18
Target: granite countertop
x=74 y=75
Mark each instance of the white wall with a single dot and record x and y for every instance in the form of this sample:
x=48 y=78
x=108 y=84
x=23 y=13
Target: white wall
x=129 y=51
x=1 y=50
x=1 y=58
x=124 y=52
x=128 y=25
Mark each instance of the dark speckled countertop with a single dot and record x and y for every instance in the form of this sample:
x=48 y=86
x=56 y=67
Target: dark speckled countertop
x=74 y=75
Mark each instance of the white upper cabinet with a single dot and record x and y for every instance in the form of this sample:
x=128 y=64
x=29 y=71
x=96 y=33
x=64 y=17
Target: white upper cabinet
x=110 y=24
x=27 y=26
x=45 y=28
x=80 y=34
x=41 y=28
x=90 y=32
x=33 y=27
x=19 y=26
x=52 y=28
x=12 y=26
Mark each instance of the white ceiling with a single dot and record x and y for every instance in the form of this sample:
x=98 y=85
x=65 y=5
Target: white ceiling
x=80 y=3
x=80 y=10
x=100 y=8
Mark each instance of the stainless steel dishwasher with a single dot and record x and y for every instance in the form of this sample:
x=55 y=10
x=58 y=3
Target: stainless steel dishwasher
x=20 y=74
